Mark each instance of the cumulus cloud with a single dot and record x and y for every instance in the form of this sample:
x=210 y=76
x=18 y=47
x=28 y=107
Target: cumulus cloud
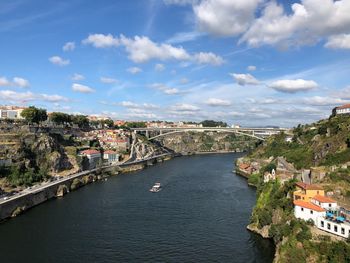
x=101 y=41
x=183 y=107
x=133 y=105
x=69 y=46
x=308 y=23
x=56 y=60
x=251 y=68
x=108 y=80
x=208 y=58
x=293 y=86
x=141 y=49
x=159 y=67
x=245 y=79
x=82 y=88
x=217 y=102
x=225 y=17
x=13 y=96
x=16 y=82
x=134 y=70
x=167 y=90
x=77 y=77
x=339 y=42
x=324 y=101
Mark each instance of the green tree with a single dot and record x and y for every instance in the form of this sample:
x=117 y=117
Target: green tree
x=80 y=120
x=211 y=123
x=60 y=118
x=34 y=115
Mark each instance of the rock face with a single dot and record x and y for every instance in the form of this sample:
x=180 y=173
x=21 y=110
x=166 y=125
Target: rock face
x=264 y=232
x=62 y=190
x=77 y=183
x=189 y=142
x=18 y=211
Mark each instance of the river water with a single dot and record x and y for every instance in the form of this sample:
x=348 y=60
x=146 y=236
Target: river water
x=200 y=216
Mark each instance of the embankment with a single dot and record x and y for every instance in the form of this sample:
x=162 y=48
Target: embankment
x=32 y=197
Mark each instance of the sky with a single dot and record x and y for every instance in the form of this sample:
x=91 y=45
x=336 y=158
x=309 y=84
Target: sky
x=246 y=62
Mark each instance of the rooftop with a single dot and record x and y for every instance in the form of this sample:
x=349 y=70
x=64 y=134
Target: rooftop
x=305 y=186
x=323 y=199
x=308 y=205
x=90 y=151
x=345 y=106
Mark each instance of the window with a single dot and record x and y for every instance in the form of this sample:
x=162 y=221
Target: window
x=318 y=192
x=322 y=224
x=311 y=212
x=342 y=231
x=329 y=226
x=330 y=205
x=302 y=209
x=335 y=228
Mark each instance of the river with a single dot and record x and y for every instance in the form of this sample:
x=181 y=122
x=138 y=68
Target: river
x=200 y=216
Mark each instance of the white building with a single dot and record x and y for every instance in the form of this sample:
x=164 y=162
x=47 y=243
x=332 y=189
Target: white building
x=344 y=109
x=306 y=211
x=94 y=157
x=325 y=214
x=111 y=156
x=10 y=112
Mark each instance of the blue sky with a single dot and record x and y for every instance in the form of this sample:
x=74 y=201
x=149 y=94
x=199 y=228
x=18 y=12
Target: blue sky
x=247 y=62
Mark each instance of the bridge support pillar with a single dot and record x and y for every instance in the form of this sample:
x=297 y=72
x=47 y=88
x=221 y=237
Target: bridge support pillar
x=147 y=134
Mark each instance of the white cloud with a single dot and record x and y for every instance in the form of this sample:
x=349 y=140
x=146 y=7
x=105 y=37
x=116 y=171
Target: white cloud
x=184 y=37
x=108 y=80
x=293 y=86
x=134 y=70
x=101 y=41
x=77 y=77
x=159 y=67
x=217 y=102
x=20 y=82
x=309 y=22
x=225 y=17
x=56 y=60
x=245 y=79
x=142 y=49
x=167 y=90
x=69 y=46
x=22 y=97
x=208 y=58
x=251 y=68
x=324 y=101
x=82 y=88
x=180 y=2
x=183 y=107
x=184 y=80
x=16 y=82
x=135 y=106
x=339 y=41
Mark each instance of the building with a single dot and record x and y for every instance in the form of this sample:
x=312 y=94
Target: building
x=323 y=211
x=344 y=109
x=11 y=112
x=306 y=211
x=111 y=156
x=93 y=156
x=305 y=192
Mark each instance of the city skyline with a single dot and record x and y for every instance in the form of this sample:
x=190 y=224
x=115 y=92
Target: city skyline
x=258 y=63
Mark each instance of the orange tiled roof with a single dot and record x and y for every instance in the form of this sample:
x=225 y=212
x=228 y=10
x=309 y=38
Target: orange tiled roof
x=344 y=106
x=308 y=205
x=323 y=199
x=244 y=166
x=308 y=186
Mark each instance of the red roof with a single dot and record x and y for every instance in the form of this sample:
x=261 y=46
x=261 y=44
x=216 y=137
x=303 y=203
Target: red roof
x=90 y=151
x=323 y=199
x=346 y=106
x=110 y=152
x=244 y=166
x=308 y=186
x=308 y=205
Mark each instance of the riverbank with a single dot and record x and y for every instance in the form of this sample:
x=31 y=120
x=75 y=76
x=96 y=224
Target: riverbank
x=39 y=194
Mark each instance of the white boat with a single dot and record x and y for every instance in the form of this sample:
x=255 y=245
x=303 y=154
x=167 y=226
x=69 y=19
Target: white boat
x=156 y=188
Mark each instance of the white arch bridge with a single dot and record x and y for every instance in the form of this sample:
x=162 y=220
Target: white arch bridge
x=257 y=133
